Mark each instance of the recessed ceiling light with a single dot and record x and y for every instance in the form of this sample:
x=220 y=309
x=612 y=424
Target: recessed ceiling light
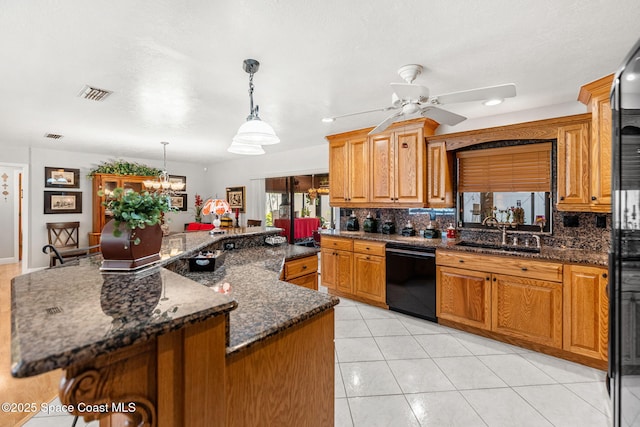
x=328 y=120
x=492 y=102
x=93 y=93
x=52 y=135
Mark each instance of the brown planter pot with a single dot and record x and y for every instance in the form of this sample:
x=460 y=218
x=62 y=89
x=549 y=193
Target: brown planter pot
x=119 y=253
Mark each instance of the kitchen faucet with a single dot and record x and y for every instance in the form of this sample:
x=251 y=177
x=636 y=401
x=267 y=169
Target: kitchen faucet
x=492 y=220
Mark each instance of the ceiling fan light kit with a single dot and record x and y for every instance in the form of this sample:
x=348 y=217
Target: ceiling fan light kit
x=253 y=132
x=410 y=99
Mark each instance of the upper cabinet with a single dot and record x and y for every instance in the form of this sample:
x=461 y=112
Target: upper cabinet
x=385 y=169
x=439 y=175
x=349 y=169
x=584 y=155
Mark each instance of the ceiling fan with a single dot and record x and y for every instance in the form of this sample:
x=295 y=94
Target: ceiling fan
x=410 y=98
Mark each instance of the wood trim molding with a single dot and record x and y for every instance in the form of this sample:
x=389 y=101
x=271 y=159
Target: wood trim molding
x=540 y=129
x=596 y=87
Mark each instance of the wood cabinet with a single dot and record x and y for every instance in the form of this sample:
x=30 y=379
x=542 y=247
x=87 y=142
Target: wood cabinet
x=527 y=308
x=584 y=154
x=385 y=169
x=349 y=169
x=439 y=176
x=586 y=310
x=106 y=183
x=398 y=167
x=302 y=271
x=515 y=297
x=354 y=269
x=464 y=296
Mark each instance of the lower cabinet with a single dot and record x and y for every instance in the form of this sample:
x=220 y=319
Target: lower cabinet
x=302 y=272
x=354 y=268
x=586 y=310
x=464 y=296
x=527 y=308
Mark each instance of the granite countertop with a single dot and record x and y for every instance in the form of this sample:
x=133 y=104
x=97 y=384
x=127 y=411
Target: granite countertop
x=266 y=305
x=72 y=313
x=564 y=255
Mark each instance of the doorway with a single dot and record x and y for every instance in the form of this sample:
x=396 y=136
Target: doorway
x=299 y=205
x=13 y=214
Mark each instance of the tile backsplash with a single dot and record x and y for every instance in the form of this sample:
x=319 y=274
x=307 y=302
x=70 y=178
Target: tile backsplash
x=583 y=236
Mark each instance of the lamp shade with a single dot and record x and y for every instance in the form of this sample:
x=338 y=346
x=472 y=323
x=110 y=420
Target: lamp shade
x=248 y=149
x=256 y=132
x=215 y=206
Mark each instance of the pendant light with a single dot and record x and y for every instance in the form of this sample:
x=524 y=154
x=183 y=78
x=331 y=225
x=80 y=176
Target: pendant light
x=163 y=184
x=254 y=131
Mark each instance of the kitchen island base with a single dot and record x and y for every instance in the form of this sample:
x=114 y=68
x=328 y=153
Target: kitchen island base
x=185 y=378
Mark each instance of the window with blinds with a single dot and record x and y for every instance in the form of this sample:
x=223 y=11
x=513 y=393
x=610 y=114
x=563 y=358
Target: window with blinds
x=506 y=169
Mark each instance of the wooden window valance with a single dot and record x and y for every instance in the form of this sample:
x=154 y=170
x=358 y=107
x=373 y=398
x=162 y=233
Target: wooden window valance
x=506 y=169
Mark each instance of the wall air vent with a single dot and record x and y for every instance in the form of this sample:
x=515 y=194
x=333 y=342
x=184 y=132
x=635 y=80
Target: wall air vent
x=93 y=93
x=52 y=136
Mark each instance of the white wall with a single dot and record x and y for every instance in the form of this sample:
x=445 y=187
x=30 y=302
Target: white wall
x=38 y=158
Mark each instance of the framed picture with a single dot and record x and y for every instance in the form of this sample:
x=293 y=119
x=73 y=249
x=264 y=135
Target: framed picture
x=61 y=177
x=179 y=201
x=178 y=179
x=56 y=202
x=235 y=198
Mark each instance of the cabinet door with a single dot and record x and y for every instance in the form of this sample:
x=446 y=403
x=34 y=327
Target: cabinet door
x=309 y=281
x=338 y=164
x=358 y=191
x=463 y=296
x=439 y=180
x=329 y=268
x=601 y=154
x=586 y=311
x=527 y=308
x=382 y=160
x=369 y=277
x=344 y=276
x=409 y=172
x=573 y=167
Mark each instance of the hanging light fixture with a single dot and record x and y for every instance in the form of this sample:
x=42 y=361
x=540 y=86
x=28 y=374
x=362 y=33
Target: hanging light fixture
x=254 y=131
x=163 y=184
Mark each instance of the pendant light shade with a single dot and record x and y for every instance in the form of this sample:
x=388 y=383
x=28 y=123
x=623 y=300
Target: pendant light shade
x=254 y=132
x=246 y=149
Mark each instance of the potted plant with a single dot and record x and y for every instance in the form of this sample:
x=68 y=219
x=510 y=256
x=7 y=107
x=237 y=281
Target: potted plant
x=133 y=237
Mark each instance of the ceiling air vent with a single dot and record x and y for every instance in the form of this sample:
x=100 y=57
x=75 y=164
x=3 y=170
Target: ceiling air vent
x=54 y=310
x=53 y=136
x=94 y=94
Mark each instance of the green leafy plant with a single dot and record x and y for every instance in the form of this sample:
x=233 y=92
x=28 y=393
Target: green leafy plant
x=136 y=210
x=121 y=167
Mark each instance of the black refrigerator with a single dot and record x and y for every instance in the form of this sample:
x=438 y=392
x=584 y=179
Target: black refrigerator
x=624 y=255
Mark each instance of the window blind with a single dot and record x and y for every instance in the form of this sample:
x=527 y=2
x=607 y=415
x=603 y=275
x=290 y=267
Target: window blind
x=505 y=169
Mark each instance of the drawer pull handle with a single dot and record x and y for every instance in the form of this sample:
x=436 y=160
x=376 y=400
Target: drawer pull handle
x=460 y=260
x=524 y=269
x=561 y=197
x=368 y=258
x=487 y=278
x=304 y=267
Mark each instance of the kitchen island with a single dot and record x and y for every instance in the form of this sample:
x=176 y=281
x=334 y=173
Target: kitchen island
x=157 y=347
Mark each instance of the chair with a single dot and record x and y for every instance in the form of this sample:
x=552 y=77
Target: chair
x=254 y=222
x=63 y=236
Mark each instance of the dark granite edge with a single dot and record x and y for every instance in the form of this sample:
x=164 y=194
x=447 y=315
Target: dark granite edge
x=284 y=326
x=134 y=336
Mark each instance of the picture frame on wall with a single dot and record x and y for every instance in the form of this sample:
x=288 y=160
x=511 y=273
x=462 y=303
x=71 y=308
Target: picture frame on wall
x=179 y=201
x=61 y=177
x=236 y=198
x=62 y=202
x=173 y=179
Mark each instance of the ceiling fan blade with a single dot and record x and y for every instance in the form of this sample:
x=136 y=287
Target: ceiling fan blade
x=481 y=94
x=385 y=124
x=410 y=91
x=441 y=116
x=330 y=119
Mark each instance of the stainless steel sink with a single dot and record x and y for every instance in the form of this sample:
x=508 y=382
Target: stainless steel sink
x=496 y=247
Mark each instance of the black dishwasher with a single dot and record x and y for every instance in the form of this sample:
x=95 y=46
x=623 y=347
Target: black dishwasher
x=411 y=280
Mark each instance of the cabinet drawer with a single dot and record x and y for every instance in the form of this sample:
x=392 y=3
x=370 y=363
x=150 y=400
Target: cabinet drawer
x=309 y=281
x=301 y=266
x=369 y=247
x=337 y=243
x=522 y=267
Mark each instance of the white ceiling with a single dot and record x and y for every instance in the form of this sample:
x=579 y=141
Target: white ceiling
x=175 y=67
